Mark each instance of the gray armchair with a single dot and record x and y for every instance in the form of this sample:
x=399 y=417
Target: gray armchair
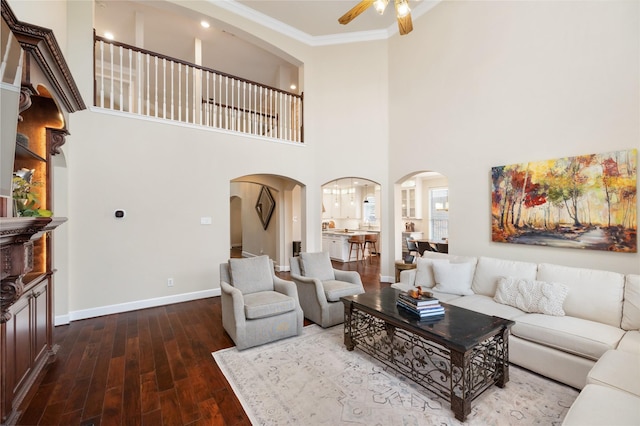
x=320 y=287
x=257 y=306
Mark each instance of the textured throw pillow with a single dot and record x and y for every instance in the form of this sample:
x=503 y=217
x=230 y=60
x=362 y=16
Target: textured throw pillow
x=251 y=274
x=424 y=273
x=531 y=295
x=452 y=278
x=317 y=265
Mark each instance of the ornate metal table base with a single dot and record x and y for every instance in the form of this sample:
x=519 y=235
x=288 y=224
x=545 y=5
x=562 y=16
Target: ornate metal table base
x=459 y=377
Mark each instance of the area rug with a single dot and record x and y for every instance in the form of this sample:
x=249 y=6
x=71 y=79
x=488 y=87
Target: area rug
x=313 y=380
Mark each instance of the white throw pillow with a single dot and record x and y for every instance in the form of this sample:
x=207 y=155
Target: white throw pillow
x=531 y=295
x=424 y=273
x=452 y=278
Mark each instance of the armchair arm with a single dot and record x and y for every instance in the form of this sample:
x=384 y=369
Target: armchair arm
x=352 y=277
x=408 y=277
x=310 y=289
x=233 y=302
x=285 y=287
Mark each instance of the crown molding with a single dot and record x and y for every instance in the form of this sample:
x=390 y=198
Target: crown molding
x=352 y=37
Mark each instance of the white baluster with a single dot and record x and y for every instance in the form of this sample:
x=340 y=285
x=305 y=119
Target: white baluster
x=121 y=79
x=179 y=91
x=186 y=94
x=111 y=82
x=101 y=44
x=164 y=88
x=173 y=106
x=131 y=85
x=155 y=73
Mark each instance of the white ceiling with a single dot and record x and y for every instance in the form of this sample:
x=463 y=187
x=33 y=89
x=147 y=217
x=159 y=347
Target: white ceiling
x=316 y=21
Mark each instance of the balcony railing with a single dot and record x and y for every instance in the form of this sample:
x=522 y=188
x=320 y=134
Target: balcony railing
x=137 y=81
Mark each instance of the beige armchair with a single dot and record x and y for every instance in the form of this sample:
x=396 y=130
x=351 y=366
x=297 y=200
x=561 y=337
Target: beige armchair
x=257 y=306
x=320 y=287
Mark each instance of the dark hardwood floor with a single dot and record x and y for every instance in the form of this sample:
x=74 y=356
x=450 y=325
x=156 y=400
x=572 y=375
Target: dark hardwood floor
x=146 y=367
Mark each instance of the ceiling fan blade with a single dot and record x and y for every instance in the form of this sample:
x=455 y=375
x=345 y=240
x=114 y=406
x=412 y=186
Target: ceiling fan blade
x=405 y=25
x=355 y=11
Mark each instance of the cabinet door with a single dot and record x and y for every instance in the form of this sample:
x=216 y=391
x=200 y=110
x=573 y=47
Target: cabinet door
x=19 y=357
x=40 y=308
x=335 y=251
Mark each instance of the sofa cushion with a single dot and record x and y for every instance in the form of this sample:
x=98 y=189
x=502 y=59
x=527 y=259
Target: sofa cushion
x=251 y=274
x=593 y=294
x=317 y=265
x=531 y=295
x=617 y=369
x=489 y=270
x=630 y=342
x=264 y=304
x=486 y=305
x=424 y=267
x=631 y=305
x=453 y=278
x=334 y=290
x=602 y=405
x=588 y=339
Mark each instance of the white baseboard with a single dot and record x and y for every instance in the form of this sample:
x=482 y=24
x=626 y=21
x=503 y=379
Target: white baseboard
x=387 y=279
x=133 y=306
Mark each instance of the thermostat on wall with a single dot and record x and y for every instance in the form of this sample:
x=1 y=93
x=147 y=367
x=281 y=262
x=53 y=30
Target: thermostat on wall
x=120 y=214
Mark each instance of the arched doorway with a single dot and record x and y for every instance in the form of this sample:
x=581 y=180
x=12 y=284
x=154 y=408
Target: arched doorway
x=268 y=218
x=423 y=211
x=235 y=228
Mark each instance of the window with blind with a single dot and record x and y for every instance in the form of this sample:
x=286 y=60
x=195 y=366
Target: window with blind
x=439 y=213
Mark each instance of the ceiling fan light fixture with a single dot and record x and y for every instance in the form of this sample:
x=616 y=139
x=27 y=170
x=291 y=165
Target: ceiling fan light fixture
x=380 y=6
x=402 y=8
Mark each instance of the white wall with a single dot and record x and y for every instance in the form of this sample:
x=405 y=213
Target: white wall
x=167 y=176
x=476 y=84
x=497 y=83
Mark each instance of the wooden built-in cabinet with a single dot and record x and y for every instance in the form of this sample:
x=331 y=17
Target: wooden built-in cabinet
x=48 y=94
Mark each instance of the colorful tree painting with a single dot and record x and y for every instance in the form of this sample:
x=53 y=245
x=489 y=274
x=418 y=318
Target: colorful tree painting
x=586 y=202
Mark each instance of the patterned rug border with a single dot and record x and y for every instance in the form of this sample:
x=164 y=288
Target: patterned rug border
x=500 y=406
x=310 y=330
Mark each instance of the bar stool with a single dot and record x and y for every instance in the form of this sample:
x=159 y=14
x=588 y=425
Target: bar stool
x=371 y=241
x=358 y=241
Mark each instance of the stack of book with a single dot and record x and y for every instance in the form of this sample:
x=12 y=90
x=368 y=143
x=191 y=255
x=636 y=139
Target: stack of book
x=427 y=308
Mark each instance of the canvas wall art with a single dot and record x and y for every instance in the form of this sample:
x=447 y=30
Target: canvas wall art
x=585 y=202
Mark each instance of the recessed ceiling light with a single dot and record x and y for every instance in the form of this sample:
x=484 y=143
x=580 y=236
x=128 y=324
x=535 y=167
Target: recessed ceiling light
x=205 y=24
x=108 y=35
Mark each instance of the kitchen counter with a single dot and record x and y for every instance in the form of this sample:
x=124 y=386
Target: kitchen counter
x=336 y=243
x=341 y=232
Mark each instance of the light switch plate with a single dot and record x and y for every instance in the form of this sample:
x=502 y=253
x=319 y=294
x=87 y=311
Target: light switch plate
x=206 y=220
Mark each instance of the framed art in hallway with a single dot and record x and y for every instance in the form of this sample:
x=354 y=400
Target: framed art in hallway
x=265 y=206
x=586 y=202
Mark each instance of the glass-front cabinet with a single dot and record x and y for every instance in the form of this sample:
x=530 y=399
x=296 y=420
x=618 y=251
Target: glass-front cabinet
x=411 y=200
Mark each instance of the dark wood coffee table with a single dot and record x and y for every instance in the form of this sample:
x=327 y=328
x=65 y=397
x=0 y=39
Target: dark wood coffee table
x=457 y=357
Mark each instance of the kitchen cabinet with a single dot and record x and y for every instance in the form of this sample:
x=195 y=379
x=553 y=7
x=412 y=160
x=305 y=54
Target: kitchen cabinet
x=411 y=200
x=341 y=204
x=336 y=243
x=336 y=246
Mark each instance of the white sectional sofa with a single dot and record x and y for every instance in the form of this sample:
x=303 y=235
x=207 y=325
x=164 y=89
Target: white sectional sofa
x=600 y=313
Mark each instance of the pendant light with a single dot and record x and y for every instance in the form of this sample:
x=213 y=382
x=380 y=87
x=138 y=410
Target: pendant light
x=366 y=193
x=352 y=191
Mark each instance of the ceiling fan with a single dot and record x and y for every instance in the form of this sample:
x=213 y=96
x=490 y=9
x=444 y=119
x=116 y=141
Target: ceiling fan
x=403 y=13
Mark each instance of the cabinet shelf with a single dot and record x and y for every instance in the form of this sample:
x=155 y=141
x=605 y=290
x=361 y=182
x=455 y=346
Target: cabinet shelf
x=24 y=153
